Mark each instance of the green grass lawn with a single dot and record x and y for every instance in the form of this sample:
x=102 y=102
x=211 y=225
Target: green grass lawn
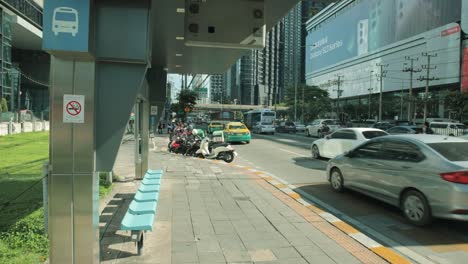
x=22 y=233
x=22 y=238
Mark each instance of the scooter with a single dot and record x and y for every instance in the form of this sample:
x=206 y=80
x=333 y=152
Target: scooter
x=219 y=151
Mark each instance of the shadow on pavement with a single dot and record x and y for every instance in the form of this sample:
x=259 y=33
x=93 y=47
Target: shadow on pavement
x=309 y=163
x=111 y=238
x=289 y=142
x=442 y=236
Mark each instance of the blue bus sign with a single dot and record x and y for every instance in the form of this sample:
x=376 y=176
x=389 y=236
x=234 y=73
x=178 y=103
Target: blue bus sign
x=66 y=25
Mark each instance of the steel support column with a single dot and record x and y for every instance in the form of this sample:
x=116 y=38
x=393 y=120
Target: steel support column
x=73 y=189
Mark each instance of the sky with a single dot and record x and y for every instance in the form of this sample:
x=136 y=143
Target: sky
x=177 y=81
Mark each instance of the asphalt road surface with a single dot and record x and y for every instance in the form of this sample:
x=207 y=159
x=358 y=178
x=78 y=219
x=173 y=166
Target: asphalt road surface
x=288 y=157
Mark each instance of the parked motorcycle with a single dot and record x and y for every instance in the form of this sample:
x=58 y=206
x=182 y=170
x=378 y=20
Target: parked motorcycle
x=218 y=151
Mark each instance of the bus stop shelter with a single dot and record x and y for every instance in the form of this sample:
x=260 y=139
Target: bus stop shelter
x=110 y=56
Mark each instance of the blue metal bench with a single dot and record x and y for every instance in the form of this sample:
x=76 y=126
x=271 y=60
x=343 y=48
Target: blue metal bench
x=142 y=210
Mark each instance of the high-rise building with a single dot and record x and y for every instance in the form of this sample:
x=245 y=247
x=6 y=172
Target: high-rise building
x=292 y=42
x=266 y=66
x=217 y=86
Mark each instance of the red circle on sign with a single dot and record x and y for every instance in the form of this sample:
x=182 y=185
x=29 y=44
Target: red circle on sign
x=73 y=108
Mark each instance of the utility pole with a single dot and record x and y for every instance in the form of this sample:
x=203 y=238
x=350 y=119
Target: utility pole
x=338 y=95
x=302 y=116
x=295 y=101
x=401 y=100
x=370 y=95
x=381 y=76
x=411 y=70
x=428 y=68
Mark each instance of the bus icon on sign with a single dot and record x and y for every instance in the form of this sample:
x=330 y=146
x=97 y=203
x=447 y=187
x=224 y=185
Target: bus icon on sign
x=65 y=20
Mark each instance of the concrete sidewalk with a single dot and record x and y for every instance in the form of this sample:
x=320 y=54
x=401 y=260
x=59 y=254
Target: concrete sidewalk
x=211 y=212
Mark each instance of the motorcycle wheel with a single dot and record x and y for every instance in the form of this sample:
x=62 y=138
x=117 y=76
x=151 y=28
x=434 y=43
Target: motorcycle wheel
x=228 y=157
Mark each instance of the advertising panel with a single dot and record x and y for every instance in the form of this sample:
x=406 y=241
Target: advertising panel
x=366 y=26
x=464 y=18
x=361 y=74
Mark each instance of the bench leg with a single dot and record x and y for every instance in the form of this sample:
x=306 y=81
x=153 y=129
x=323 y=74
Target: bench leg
x=137 y=236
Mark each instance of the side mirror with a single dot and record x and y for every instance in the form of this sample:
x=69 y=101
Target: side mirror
x=327 y=137
x=350 y=154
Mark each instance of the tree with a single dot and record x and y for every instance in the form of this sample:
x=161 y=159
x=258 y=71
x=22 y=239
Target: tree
x=187 y=101
x=3 y=105
x=457 y=103
x=316 y=101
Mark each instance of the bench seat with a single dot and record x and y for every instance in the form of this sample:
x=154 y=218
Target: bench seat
x=146 y=197
x=141 y=222
x=154 y=171
x=149 y=188
x=142 y=207
x=151 y=181
x=152 y=176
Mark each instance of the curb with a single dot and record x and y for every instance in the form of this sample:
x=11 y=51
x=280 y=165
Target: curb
x=382 y=251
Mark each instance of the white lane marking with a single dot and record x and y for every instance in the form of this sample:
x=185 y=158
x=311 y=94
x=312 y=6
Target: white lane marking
x=292 y=152
x=288 y=140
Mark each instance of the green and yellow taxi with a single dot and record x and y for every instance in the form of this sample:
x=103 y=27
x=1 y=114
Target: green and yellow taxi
x=237 y=132
x=215 y=126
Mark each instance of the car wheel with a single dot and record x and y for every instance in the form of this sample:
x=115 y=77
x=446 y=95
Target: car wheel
x=416 y=208
x=247 y=142
x=315 y=152
x=307 y=133
x=336 y=180
x=318 y=133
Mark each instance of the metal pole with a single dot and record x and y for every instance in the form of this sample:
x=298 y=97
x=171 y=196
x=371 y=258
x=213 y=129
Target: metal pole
x=302 y=117
x=338 y=108
x=401 y=100
x=380 y=99
x=382 y=75
x=295 y=101
x=370 y=95
x=426 y=95
x=410 y=101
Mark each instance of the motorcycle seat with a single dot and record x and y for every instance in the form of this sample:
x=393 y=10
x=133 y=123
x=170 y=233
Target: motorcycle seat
x=215 y=145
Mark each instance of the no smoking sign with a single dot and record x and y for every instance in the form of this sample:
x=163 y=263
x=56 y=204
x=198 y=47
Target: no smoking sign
x=73 y=108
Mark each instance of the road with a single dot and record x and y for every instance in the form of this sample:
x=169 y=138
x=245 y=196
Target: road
x=288 y=157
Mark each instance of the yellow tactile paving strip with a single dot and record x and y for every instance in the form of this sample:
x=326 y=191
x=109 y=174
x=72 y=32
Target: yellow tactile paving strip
x=362 y=247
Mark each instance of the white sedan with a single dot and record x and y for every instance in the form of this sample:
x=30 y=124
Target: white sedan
x=343 y=140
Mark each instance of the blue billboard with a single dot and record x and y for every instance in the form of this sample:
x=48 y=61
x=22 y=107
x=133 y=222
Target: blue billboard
x=365 y=26
x=66 y=25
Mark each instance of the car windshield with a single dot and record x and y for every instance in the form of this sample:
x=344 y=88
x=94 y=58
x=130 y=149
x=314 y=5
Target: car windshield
x=216 y=124
x=453 y=151
x=237 y=127
x=268 y=114
x=373 y=134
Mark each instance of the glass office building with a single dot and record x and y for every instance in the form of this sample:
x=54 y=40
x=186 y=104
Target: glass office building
x=368 y=45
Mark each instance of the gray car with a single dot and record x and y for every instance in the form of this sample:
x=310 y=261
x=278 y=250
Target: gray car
x=424 y=175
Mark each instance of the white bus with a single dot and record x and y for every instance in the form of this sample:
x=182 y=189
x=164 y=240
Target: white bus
x=260 y=121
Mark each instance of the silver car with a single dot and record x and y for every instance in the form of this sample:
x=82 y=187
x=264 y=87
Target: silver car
x=424 y=175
